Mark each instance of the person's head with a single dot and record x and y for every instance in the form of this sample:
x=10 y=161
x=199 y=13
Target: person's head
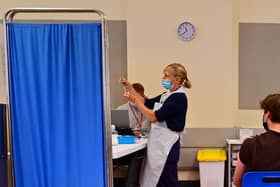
x=271 y=106
x=175 y=75
x=139 y=88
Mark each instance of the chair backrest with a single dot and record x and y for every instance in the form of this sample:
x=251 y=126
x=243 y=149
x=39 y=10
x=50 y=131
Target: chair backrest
x=261 y=179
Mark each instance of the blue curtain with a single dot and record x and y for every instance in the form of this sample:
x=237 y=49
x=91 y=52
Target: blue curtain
x=56 y=105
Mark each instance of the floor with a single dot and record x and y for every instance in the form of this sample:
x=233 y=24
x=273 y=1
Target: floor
x=188 y=175
x=121 y=183
x=2 y=173
x=189 y=183
x=187 y=178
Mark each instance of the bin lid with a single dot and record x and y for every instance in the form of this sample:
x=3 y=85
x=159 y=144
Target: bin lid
x=211 y=155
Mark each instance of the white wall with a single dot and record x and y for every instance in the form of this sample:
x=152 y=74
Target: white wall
x=259 y=11
x=254 y=11
x=211 y=58
x=112 y=8
x=153 y=43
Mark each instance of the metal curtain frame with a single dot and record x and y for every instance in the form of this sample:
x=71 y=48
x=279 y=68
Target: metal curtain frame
x=7 y=18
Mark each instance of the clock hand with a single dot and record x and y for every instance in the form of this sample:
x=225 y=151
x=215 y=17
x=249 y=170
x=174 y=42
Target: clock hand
x=183 y=30
x=186 y=28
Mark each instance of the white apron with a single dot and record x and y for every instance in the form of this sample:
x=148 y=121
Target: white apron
x=161 y=140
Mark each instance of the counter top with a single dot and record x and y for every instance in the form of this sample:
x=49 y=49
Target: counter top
x=121 y=150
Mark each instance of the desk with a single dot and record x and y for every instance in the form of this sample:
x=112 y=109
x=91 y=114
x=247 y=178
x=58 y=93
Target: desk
x=130 y=155
x=121 y=150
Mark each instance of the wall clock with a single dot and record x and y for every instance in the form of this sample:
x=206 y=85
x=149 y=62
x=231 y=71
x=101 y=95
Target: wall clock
x=186 y=31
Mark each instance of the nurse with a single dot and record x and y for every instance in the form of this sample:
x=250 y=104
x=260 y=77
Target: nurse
x=167 y=112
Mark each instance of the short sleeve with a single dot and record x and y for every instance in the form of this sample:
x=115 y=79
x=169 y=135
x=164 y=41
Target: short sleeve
x=245 y=153
x=175 y=103
x=173 y=112
x=151 y=102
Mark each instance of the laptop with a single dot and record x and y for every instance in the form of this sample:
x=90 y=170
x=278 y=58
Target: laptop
x=120 y=118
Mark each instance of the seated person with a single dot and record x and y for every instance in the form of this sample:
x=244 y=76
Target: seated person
x=138 y=122
x=262 y=153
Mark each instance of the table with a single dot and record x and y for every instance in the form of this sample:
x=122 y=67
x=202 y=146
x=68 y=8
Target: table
x=130 y=155
x=121 y=150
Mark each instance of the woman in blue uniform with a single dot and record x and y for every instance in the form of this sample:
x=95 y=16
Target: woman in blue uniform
x=167 y=112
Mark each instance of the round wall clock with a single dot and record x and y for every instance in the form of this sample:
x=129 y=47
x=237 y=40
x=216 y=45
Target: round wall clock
x=186 y=31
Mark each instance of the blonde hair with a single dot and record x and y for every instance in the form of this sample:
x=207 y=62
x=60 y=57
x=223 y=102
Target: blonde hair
x=180 y=71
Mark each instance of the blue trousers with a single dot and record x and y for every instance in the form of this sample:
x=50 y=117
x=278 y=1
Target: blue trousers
x=169 y=176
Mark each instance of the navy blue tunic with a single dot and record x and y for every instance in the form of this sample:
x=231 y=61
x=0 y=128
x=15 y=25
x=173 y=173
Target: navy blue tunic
x=173 y=112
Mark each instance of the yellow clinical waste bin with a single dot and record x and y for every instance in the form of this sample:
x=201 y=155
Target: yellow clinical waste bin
x=211 y=167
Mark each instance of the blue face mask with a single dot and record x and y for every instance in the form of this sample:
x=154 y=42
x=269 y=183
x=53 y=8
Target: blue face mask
x=166 y=84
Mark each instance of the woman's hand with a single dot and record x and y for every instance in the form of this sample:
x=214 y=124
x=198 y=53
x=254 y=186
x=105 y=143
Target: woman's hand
x=136 y=132
x=124 y=82
x=127 y=86
x=130 y=96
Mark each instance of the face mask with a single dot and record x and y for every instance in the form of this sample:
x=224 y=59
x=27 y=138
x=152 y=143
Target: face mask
x=166 y=84
x=265 y=126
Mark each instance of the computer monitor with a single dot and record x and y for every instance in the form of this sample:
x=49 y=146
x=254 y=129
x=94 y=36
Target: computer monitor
x=120 y=118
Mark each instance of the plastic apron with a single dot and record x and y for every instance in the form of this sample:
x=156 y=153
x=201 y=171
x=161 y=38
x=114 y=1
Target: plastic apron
x=161 y=140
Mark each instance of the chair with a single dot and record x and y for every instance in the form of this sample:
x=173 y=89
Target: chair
x=261 y=179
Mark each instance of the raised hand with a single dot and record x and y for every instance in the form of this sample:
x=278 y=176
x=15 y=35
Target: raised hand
x=124 y=82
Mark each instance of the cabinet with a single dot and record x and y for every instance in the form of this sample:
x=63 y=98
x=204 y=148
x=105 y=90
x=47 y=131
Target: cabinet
x=233 y=147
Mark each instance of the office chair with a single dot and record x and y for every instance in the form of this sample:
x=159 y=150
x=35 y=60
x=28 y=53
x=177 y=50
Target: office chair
x=261 y=179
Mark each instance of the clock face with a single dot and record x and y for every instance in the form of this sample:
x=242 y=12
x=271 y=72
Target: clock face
x=186 y=31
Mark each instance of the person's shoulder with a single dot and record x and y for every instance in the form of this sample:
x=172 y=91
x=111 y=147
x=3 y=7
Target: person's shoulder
x=272 y=133
x=252 y=142
x=154 y=98
x=262 y=135
x=255 y=139
x=267 y=136
x=123 y=107
x=178 y=100
x=248 y=141
x=178 y=96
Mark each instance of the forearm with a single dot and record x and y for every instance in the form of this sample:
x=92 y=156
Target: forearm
x=238 y=174
x=237 y=182
x=148 y=113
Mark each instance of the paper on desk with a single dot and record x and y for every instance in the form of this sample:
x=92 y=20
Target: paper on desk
x=245 y=133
